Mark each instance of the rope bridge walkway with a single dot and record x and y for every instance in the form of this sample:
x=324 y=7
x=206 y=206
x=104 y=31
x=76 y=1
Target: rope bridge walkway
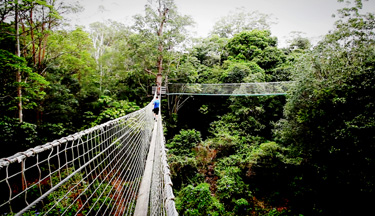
x=117 y=168
x=229 y=89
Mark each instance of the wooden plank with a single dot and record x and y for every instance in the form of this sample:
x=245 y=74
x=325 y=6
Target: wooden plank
x=141 y=208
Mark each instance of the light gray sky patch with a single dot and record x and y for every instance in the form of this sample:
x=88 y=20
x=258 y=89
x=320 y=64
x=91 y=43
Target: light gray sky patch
x=313 y=17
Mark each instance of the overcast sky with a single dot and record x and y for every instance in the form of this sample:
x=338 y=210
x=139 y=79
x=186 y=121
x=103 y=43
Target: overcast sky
x=313 y=17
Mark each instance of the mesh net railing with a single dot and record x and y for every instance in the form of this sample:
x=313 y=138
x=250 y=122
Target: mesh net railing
x=229 y=89
x=94 y=172
x=162 y=197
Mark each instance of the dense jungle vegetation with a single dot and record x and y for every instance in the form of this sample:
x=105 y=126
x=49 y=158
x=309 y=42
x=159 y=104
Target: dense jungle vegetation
x=311 y=152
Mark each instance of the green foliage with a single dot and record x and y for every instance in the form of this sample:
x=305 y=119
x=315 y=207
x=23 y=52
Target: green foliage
x=68 y=193
x=31 y=82
x=52 y=131
x=198 y=201
x=248 y=45
x=7 y=40
x=71 y=51
x=210 y=51
x=160 y=31
x=241 y=71
x=230 y=184
x=242 y=207
x=276 y=212
x=62 y=100
x=112 y=109
x=282 y=72
x=299 y=44
x=121 y=57
x=187 y=72
x=270 y=58
x=258 y=48
x=250 y=116
x=257 y=73
x=16 y=136
x=186 y=165
x=329 y=115
x=236 y=73
x=267 y=155
x=203 y=109
x=183 y=143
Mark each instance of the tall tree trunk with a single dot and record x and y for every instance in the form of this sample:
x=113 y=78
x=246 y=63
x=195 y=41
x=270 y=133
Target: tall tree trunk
x=41 y=39
x=32 y=35
x=162 y=14
x=23 y=50
x=18 y=74
x=45 y=40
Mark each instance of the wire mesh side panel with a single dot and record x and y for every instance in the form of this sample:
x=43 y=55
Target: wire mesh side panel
x=93 y=172
x=235 y=89
x=162 y=197
x=156 y=199
x=169 y=197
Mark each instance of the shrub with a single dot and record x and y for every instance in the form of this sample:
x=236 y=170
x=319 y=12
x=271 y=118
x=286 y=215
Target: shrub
x=198 y=201
x=183 y=143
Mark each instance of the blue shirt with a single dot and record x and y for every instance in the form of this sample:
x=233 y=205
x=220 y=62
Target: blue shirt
x=156 y=103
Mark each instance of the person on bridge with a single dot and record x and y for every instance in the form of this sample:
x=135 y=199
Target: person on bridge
x=156 y=107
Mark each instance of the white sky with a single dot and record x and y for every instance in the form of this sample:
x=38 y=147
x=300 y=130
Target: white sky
x=313 y=17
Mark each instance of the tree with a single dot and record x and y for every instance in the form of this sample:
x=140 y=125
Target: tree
x=257 y=46
x=241 y=72
x=110 y=40
x=40 y=19
x=329 y=117
x=248 y=45
x=32 y=21
x=164 y=26
x=183 y=143
x=15 y=132
x=71 y=70
x=71 y=51
x=210 y=51
x=198 y=201
x=298 y=42
x=239 y=21
x=14 y=9
x=31 y=83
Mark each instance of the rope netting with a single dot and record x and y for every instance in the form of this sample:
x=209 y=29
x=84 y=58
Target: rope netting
x=229 y=89
x=94 y=172
x=162 y=197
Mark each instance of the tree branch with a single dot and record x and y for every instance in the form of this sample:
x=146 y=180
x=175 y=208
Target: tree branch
x=150 y=72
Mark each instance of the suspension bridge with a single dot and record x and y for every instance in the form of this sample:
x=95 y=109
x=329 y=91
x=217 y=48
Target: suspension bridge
x=229 y=89
x=117 y=168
